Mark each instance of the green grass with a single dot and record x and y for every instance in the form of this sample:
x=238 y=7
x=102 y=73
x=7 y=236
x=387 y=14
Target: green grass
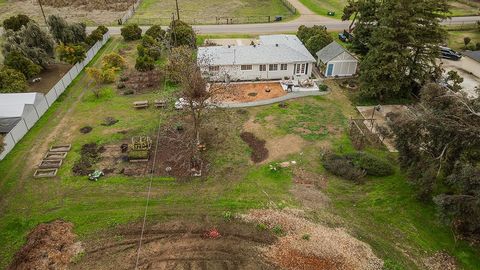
x=322 y=7
x=455 y=38
x=464 y=8
x=207 y=12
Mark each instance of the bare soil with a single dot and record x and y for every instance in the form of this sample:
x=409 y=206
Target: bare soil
x=49 y=246
x=441 y=261
x=307 y=188
x=179 y=245
x=259 y=152
x=248 y=92
x=281 y=147
x=325 y=248
x=117 y=5
x=143 y=82
x=50 y=77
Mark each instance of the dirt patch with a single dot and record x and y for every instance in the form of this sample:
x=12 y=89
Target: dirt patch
x=109 y=121
x=49 y=77
x=308 y=189
x=281 y=147
x=313 y=246
x=440 y=261
x=49 y=246
x=180 y=245
x=86 y=130
x=142 y=82
x=259 y=152
x=89 y=156
x=248 y=92
x=116 y=5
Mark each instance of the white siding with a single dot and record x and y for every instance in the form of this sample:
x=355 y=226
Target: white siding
x=235 y=73
x=343 y=65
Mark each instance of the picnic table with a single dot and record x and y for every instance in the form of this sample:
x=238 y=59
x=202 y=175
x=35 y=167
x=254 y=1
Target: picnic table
x=160 y=103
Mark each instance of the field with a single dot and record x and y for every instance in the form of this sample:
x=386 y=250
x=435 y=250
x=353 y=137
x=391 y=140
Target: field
x=322 y=7
x=210 y=11
x=455 y=38
x=383 y=212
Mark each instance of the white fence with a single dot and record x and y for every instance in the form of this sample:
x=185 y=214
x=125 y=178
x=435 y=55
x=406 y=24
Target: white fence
x=33 y=112
x=130 y=12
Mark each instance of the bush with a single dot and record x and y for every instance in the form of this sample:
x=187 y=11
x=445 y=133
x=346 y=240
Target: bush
x=138 y=154
x=102 y=29
x=96 y=35
x=323 y=87
x=181 y=34
x=144 y=63
x=17 y=61
x=72 y=54
x=66 y=33
x=108 y=75
x=12 y=81
x=371 y=164
x=131 y=32
x=156 y=32
x=342 y=167
x=114 y=60
x=100 y=76
x=15 y=23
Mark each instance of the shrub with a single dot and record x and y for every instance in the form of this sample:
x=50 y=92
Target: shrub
x=138 y=154
x=102 y=29
x=372 y=165
x=149 y=47
x=114 y=60
x=323 y=87
x=477 y=46
x=278 y=230
x=12 y=81
x=181 y=34
x=95 y=36
x=156 y=32
x=71 y=54
x=108 y=75
x=144 y=63
x=342 y=167
x=15 y=23
x=64 y=32
x=17 y=61
x=131 y=32
x=100 y=76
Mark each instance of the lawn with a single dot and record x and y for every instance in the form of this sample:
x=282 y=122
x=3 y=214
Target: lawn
x=464 y=8
x=210 y=11
x=382 y=212
x=455 y=38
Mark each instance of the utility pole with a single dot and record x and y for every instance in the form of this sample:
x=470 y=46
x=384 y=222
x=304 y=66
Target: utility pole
x=43 y=13
x=178 y=11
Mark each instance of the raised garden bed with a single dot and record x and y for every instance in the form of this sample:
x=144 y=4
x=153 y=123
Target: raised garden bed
x=45 y=173
x=50 y=164
x=55 y=155
x=61 y=148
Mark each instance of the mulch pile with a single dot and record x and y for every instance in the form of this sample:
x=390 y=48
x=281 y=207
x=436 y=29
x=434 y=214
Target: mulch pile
x=49 y=246
x=89 y=156
x=259 y=151
x=85 y=130
x=141 y=82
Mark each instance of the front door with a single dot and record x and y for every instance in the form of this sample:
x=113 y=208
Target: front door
x=329 y=69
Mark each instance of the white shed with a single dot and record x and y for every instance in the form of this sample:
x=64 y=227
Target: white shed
x=335 y=60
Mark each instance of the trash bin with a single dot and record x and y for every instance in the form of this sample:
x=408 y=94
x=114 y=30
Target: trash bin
x=278 y=18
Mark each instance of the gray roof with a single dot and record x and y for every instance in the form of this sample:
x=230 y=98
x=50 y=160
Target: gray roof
x=330 y=51
x=7 y=124
x=276 y=49
x=475 y=55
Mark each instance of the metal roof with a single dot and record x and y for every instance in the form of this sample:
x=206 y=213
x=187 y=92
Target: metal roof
x=276 y=49
x=13 y=105
x=7 y=124
x=330 y=51
x=475 y=55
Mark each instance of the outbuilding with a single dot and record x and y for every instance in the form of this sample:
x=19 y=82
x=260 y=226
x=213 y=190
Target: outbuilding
x=334 y=60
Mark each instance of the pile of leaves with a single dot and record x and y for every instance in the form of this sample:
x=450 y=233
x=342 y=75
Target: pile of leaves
x=89 y=156
x=259 y=151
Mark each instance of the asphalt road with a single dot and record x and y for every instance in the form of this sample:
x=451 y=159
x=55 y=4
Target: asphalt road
x=285 y=27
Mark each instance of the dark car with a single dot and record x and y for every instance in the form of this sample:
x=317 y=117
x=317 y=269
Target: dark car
x=345 y=36
x=450 y=54
x=342 y=37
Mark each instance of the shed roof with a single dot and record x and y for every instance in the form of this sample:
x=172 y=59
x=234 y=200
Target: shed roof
x=13 y=105
x=275 y=49
x=7 y=124
x=475 y=55
x=331 y=51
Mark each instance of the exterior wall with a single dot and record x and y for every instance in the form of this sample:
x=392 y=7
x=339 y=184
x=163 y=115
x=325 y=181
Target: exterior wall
x=343 y=65
x=235 y=73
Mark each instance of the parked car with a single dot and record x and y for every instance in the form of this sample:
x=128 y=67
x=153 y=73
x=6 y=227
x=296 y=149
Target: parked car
x=345 y=36
x=450 y=54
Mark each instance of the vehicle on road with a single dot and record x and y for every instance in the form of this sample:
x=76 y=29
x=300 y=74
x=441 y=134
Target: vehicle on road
x=450 y=54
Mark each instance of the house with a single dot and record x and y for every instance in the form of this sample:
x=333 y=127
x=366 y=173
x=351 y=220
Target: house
x=335 y=60
x=19 y=113
x=275 y=57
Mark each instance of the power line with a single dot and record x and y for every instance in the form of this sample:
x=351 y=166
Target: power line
x=148 y=194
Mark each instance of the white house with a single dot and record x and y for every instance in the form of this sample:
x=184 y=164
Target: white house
x=335 y=60
x=274 y=57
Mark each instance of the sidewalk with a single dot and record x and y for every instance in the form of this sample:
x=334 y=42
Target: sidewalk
x=288 y=96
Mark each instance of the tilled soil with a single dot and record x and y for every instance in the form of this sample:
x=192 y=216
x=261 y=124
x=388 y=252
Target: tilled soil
x=259 y=151
x=179 y=246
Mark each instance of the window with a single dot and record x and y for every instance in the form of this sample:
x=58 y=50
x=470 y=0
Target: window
x=246 y=67
x=214 y=68
x=263 y=67
x=283 y=67
x=303 y=68
x=273 y=67
x=297 y=69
